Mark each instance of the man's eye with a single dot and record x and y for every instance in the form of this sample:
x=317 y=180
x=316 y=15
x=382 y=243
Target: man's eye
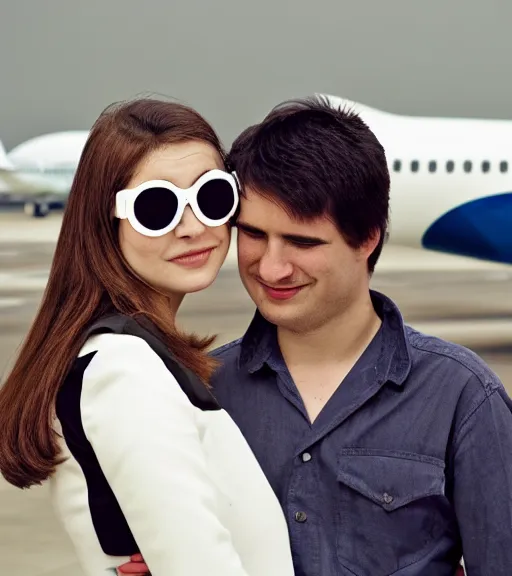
x=305 y=243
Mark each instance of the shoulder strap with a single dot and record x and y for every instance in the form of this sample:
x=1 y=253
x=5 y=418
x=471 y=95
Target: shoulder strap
x=117 y=323
x=109 y=323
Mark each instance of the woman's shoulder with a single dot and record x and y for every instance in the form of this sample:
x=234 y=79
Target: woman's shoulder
x=126 y=351
x=114 y=359
x=117 y=335
x=116 y=346
x=117 y=371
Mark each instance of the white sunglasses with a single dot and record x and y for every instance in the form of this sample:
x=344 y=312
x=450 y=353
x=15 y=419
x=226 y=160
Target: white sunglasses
x=156 y=207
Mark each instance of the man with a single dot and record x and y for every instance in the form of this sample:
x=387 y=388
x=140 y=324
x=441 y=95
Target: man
x=389 y=450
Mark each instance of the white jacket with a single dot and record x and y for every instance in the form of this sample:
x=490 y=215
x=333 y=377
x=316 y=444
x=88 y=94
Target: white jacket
x=155 y=465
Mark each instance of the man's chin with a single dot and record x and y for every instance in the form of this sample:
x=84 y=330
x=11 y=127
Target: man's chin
x=283 y=316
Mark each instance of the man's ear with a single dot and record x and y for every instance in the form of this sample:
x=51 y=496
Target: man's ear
x=369 y=245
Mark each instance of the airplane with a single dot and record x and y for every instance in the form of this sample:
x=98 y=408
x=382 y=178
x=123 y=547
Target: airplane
x=40 y=171
x=451 y=181
x=17 y=184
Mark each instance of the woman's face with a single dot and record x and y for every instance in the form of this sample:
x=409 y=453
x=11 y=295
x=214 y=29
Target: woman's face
x=188 y=258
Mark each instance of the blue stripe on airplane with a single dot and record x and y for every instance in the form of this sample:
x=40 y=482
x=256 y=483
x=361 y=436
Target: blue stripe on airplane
x=481 y=229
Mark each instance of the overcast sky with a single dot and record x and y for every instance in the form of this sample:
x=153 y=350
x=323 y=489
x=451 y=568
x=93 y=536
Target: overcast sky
x=63 y=61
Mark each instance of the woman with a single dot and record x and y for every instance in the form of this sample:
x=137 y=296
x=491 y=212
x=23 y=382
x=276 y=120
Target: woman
x=146 y=223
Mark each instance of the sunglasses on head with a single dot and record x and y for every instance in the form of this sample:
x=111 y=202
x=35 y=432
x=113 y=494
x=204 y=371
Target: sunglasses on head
x=156 y=207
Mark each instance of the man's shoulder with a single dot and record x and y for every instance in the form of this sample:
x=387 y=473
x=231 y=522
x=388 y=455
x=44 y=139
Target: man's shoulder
x=454 y=359
x=228 y=354
x=228 y=350
x=227 y=372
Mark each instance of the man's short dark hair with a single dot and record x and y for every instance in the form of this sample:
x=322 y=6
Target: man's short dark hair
x=313 y=158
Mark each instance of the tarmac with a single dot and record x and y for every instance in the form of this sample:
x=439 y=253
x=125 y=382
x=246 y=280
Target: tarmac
x=460 y=299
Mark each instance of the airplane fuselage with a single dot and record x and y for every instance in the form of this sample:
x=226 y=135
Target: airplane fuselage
x=451 y=182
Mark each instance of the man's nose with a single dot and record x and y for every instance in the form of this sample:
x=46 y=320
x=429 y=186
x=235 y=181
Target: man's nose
x=189 y=226
x=274 y=267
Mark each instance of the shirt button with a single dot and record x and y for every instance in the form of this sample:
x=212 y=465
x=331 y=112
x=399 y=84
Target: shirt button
x=301 y=516
x=306 y=457
x=387 y=498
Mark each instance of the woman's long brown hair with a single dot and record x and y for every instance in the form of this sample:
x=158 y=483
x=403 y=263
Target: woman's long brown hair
x=88 y=278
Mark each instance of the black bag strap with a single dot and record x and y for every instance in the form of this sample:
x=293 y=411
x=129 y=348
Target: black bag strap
x=196 y=391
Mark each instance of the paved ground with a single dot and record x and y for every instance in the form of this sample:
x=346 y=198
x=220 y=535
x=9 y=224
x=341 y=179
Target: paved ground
x=463 y=300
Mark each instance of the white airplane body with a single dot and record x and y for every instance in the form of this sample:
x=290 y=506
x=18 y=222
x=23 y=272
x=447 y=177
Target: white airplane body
x=451 y=181
x=15 y=180
x=40 y=171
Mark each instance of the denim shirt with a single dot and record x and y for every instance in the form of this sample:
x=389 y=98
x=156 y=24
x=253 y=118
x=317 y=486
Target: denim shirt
x=407 y=467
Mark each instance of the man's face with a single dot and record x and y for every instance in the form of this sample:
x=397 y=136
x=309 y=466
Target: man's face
x=301 y=275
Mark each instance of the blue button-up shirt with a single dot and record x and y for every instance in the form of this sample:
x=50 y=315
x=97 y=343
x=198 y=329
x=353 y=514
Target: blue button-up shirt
x=408 y=465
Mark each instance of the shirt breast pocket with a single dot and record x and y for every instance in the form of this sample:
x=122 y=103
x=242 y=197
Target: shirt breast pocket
x=390 y=509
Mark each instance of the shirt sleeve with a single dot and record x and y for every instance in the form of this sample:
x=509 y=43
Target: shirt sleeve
x=142 y=428
x=482 y=493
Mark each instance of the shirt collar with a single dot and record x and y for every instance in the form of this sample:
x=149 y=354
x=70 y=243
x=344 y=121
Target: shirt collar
x=259 y=344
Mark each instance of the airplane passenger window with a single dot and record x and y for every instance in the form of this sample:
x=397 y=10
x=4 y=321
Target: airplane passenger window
x=503 y=166
x=467 y=166
x=415 y=165
x=486 y=166
x=450 y=166
x=432 y=166
x=397 y=165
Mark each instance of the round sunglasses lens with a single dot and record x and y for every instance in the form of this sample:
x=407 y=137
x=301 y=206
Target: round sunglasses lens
x=155 y=208
x=216 y=199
